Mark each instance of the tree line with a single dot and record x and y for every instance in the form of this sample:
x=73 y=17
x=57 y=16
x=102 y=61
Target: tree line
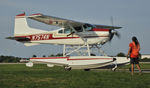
x=9 y=59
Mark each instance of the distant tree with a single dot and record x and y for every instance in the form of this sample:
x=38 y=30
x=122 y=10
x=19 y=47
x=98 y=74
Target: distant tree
x=9 y=59
x=93 y=54
x=145 y=60
x=52 y=55
x=34 y=56
x=59 y=54
x=121 y=54
x=44 y=55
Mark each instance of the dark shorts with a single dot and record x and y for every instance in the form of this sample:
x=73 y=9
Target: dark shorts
x=134 y=60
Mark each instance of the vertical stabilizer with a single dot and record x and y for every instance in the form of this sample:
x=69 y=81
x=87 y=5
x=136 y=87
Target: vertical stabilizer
x=22 y=28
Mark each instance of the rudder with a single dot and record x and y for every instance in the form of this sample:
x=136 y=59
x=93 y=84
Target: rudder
x=22 y=28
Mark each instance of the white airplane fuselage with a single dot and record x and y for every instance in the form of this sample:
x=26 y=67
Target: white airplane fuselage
x=54 y=37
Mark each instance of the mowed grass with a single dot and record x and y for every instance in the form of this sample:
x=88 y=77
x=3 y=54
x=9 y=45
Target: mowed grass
x=40 y=76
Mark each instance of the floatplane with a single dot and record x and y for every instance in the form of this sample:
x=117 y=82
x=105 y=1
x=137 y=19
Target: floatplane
x=76 y=37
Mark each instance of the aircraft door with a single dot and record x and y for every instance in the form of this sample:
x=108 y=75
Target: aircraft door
x=79 y=28
x=64 y=32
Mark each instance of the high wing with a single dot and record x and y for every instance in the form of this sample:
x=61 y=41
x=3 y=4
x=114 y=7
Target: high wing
x=50 y=20
x=60 y=22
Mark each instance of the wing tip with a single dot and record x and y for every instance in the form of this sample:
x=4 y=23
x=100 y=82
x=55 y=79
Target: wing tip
x=118 y=27
x=21 y=15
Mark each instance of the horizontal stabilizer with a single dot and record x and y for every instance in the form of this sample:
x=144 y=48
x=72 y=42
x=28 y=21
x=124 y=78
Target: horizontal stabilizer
x=18 y=38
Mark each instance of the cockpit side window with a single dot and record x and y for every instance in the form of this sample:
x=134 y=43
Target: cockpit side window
x=88 y=27
x=67 y=31
x=60 y=31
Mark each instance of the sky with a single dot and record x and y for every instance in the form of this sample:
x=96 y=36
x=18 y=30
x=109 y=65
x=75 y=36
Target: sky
x=132 y=15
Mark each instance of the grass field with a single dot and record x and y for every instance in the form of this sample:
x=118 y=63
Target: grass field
x=40 y=76
x=142 y=65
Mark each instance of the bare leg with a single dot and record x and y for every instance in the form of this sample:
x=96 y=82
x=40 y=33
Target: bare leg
x=132 y=69
x=138 y=66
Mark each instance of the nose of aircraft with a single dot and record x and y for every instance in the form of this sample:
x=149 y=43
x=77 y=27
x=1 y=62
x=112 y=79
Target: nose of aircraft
x=113 y=32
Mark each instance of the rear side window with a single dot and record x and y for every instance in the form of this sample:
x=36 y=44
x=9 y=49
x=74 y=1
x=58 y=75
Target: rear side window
x=67 y=31
x=60 y=31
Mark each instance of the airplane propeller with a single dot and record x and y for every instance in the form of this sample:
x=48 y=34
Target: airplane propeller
x=112 y=31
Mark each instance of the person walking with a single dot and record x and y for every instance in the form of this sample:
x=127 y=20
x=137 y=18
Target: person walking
x=133 y=53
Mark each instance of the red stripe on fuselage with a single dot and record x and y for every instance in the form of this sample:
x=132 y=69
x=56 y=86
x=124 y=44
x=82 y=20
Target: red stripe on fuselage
x=50 y=58
x=100 y=29
x=94 y=36
x=37 y=37
x=50 y=37
x=91 y=59
x=73 y=59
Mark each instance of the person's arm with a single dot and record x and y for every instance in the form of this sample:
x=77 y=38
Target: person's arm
x=129 y=52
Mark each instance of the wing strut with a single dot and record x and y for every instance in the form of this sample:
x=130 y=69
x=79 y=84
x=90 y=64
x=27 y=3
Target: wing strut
x=83 y=50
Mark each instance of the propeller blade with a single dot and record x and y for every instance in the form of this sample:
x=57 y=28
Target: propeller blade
x=111 y=36
x=112 y=33
x=117 y=34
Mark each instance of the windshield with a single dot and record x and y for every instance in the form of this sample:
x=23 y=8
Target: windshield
x=65 y=31
x=88 y=27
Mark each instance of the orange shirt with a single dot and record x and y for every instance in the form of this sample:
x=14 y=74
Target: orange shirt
x=134 y=50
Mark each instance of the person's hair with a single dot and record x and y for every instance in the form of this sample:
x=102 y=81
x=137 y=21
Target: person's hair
x=134 y=39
